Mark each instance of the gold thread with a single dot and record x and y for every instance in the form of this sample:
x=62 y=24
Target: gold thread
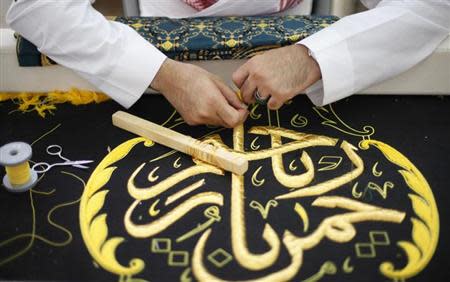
x=263 y=210
x=152 y=177
x=20 y=174
x=185 y=191
x=255 y=181
x=334 y=183
x=162 y=223
x=300 y=210
x=152 y=211
x=213 y=215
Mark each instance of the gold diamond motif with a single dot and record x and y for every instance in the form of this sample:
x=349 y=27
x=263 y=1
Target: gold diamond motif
x=220 y=258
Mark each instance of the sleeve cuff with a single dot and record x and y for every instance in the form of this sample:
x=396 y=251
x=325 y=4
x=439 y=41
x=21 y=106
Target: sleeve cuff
x=134 y=71
x=331 y=52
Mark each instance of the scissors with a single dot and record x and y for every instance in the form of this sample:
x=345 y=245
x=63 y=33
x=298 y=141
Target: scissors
x=56 y=150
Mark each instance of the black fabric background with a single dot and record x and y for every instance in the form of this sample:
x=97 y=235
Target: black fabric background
x=416 y=126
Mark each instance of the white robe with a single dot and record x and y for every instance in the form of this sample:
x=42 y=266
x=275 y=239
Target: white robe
x=173 y=9
x=353 y=54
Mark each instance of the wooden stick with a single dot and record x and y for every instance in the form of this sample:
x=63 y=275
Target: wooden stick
x=208 y=153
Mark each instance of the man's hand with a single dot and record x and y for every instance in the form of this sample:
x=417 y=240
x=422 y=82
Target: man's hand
x=281 y=74
x=199 y=96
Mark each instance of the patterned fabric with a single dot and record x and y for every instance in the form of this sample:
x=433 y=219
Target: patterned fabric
x=214 y=38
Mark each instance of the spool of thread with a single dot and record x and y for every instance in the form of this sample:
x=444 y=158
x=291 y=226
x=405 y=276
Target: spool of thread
x=19 y=176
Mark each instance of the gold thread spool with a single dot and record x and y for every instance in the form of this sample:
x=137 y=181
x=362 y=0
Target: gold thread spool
x=19 y=176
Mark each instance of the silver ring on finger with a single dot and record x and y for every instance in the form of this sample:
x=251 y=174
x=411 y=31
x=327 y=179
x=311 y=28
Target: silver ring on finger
x=260 y=100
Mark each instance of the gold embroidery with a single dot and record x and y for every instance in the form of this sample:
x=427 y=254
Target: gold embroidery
x=332 y=184
x=93 y=225
x=264 y=211
x=382 y=191
x=299 y=121
x=375 y=171
x=185 y=191
x=213 y=215
x=253 y=144
x=162 y=223
x=332 y=162
x=255 y=181
x=176 y=163
x=153 y=211
x=328 y=268
x=153 y=191
x=425 y=231
x=300 y=210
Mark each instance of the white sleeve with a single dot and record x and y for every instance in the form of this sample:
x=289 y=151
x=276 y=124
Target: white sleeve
x=110 y=55
x=367 y=48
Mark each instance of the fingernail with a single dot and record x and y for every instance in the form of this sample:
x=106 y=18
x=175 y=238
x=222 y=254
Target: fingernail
x=244 y=106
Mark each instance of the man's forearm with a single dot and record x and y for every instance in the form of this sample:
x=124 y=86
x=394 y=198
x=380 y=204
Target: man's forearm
x=110 y=55
x=370 y=47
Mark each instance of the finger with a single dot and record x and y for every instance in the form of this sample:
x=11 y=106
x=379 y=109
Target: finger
x=240 y=75
x=230 y=116
x=275 y=103
x=231 y=96
x=248 y=90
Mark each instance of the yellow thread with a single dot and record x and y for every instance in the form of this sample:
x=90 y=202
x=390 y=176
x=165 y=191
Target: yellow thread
x=46 y=134
x=382 y=191
x=332 y=162
x=185 y=191
x=299 y=121
x=239 y=95
x=202 y=273
x=152 y=177
x=278 y=118
x=328 y=268
x=176 y=163
x=153 y=211
x=425 y=230
x=332 y=184
x=44 y=103
x=337 y=123
x=269 y=117
x=291 y=181
x=355 y=193
x=20 y=174
x=238 y=230
x=264 y=211
x=253 y=144
x=185 y=276
x=300 y=210
x=213 y=215
x=253 y=115
x=93 y=225
x=375 y=171
x=31 y=235
x=346 y=267
x=162 y=223
x=255 y=181
x=292 y=166
x=166 y=184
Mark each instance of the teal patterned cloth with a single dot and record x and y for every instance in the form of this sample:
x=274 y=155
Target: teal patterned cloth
x=213 y=38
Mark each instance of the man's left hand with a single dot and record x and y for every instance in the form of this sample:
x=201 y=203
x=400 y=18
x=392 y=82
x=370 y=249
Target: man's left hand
x=279 y=74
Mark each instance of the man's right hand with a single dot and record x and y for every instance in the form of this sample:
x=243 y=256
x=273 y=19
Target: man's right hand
x=199 y=96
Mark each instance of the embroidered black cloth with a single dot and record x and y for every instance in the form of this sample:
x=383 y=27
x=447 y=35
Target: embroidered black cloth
x=213 y=38
x=356 y=191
